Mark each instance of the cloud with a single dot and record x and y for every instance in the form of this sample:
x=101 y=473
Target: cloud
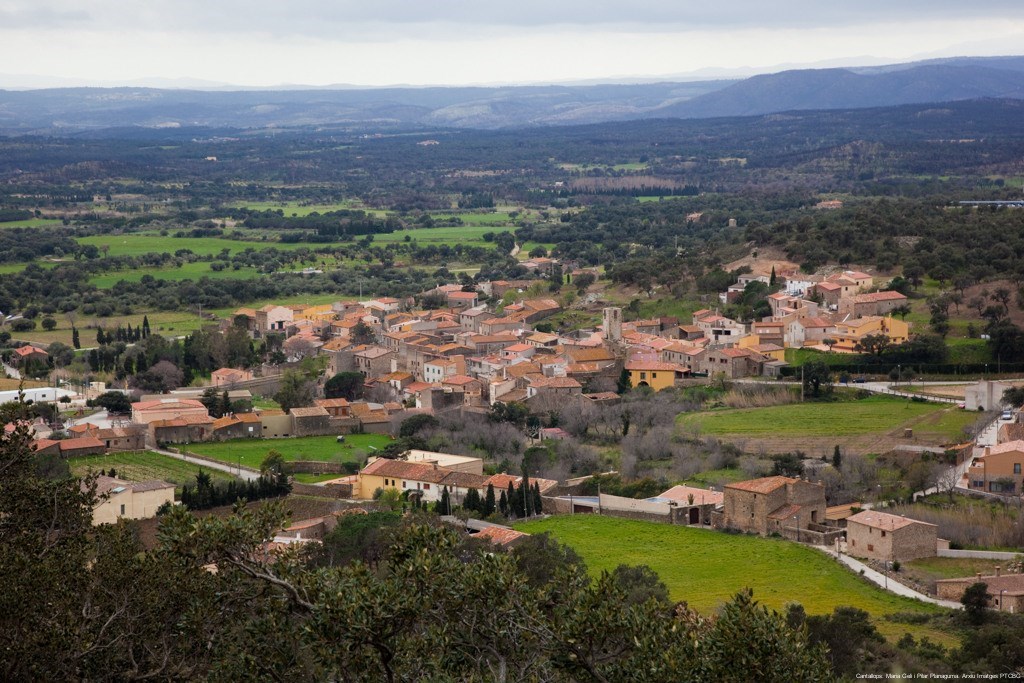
x=438 y=19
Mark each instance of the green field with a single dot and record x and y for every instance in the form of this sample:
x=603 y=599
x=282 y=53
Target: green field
x=706 y=568
x=137 y=244
x=840 y=418
x=142 y=466
x=187 y=271
x=168 y=323
x=30 y=223
x=297 y=209
x=251 y=452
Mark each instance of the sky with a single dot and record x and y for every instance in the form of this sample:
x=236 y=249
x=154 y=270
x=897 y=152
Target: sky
x=449 y=42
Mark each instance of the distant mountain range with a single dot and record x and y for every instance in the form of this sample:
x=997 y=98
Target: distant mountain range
x=71 y=110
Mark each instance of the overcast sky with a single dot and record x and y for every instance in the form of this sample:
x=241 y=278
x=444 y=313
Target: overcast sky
x=383 y=42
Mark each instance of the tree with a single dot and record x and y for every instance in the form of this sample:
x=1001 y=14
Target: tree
x=362 y=333
x=640 y=583
x=975 y=602
x=75 y=340
x=444 y=505
x=489 y=504
x=347 y=385
x=145 y=326
x=273 y=463
x=817 y=378
x=48 y=323
x=829 y=342
x=61 y=354
x=412 y=425
x=874 y=344
x=113 y=402
x=296 y=391
x=837 y=457
x=624 y=383
x=1014 y=396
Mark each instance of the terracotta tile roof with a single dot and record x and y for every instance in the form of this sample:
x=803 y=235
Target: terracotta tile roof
x=401 y=469
x=168 y=404
x=763 y=485
x=816 y=322
x=464 y=480
x=785 y=512
x=81 y=442
x=734 y=353
x=555 y=383
x=682 y=494
x=1008 y=447
x=459 y=380
x=226 y=421
x=332 y=402
x=29 y=350
x=883 y=520
x=586 y=355
x=312 y=411
x=151 y=485
x=876 y=297
x=1008 y=584
x=500 y=535
x=828 y=286
x=654 y=366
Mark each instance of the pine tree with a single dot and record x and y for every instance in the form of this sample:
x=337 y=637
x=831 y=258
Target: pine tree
x=489 y=501
x=75 y=341
x=145 y=326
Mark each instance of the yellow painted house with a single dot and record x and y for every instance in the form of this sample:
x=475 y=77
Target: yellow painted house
x=849 y=333
x=322 y=313
x=654 y=374
x=756 y=344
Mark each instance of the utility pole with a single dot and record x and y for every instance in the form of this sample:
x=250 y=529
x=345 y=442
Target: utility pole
x=801 y=384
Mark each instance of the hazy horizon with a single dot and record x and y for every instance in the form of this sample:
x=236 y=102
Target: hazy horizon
x=260 y=44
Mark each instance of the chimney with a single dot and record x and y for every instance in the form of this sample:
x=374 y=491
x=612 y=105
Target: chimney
x=987 y=449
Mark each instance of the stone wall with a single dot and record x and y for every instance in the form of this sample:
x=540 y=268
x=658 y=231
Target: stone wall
x=321 y=491
x=314 y=467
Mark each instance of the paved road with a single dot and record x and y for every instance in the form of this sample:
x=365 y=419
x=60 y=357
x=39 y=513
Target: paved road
x=883 y=581
x=243 y=473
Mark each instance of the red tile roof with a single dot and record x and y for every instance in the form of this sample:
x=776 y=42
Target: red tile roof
x=882 y=520
x=763 y=485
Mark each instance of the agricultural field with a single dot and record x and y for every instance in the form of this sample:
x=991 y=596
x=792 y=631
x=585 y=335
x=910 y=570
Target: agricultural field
x=30 y=223
x=137 y=244
x=187 y=271
x=145 y=465
x=868 y=425
x=167 y=323
x=706 y=568
x=251 y=452
x=297 y=208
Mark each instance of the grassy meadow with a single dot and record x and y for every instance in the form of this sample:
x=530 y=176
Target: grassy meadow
x=706 y=568
x=251 y=452
x=839 y=418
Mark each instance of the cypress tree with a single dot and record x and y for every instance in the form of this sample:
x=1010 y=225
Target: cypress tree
x=145 y=326
x=489 y=501
x=101 y=338
x=513 y=507
x=526 y=492
x=225 y=403
x=503 y=504
x=538 y=504
x=446 y=502
x=75 y=341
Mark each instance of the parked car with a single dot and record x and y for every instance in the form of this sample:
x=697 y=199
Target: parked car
x=1007 y=415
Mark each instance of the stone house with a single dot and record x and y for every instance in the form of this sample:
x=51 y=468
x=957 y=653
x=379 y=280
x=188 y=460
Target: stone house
x=310 y=421
x=880 y=536
x=772 y=504
x=1005 y=591
x=373 y=361
x=873 y=303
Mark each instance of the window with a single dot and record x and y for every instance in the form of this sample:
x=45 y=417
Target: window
x=643 y=375
x=122 y=508
x=654 y=375
x=883 y=534
x=426 y=487
x=870 y=547
x=1016 y=468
